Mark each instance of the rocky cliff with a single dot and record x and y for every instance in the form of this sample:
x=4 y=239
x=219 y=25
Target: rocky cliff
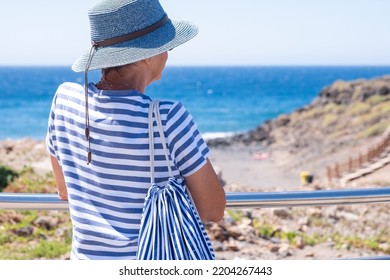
x=345 y=118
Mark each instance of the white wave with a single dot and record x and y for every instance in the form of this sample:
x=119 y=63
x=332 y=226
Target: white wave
x=214 y=135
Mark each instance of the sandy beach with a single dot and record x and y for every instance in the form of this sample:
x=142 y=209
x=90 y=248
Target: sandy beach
x=245 y=169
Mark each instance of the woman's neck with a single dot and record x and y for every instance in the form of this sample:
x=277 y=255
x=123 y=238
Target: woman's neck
x=128 y=77
x=111 y=85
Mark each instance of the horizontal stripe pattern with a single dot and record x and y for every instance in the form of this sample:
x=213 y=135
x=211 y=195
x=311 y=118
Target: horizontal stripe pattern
x=170 y=214
x=106 y=197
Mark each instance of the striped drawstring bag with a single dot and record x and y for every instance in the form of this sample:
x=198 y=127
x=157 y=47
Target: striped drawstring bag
x=171 y=228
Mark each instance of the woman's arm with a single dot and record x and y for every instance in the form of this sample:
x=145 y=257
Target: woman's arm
x=207 y=193
x=59 y=178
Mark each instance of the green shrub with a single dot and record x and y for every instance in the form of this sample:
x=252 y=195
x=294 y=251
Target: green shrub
x=376 y=99
x=329 y=120
x=312 y=113
x=290 y=236
x=7 y=175
x=312 y=239
x=368 y=119
x=375 y=130
x=236 y=215
x=373 y=244
x=31 y=182
x=263 y=229
x=382 y=108
x=333 y=108
x=359 y=109
x=49 y=249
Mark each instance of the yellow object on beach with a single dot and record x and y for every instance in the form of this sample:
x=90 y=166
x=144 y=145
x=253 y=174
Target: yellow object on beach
x=306 y=177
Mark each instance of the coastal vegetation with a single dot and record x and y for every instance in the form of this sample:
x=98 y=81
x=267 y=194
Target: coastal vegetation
x=7 y=175
x=32 y=234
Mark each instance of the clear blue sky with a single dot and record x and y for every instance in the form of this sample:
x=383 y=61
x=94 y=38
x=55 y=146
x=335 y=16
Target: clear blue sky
x=232 y=32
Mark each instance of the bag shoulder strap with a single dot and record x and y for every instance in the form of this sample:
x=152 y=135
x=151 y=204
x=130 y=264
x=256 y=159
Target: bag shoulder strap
x=154 y=108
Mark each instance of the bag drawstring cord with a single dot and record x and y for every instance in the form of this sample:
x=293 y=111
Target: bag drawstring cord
x=87 y=125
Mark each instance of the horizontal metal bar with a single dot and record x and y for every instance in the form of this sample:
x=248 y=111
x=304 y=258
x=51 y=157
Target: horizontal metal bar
x=308 y=198
x=23 y=201
x=32 y=201
x=372 y=258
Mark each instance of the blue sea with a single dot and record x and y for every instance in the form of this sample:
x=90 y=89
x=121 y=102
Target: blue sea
x=222 y=100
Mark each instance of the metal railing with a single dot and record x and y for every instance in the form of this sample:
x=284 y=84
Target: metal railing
x=28 y=201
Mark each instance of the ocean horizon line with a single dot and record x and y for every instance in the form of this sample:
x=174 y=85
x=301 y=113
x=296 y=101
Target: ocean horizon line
x=217 y=66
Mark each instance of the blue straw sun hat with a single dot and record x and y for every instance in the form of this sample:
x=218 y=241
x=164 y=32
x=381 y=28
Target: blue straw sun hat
x=126 y=31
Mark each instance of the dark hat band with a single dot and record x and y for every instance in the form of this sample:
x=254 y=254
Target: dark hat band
x=131 y=36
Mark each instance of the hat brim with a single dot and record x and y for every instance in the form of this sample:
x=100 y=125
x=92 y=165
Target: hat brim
x=171 y=35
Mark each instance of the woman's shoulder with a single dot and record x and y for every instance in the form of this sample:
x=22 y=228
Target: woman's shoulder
x=168 y=102
x=70 y=87
x=171 y=105
x=172 y=109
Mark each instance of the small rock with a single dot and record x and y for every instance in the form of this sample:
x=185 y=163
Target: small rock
x=233 y=245
x=275 y=240
x=12 y=218
x=284 y=250
x=217 y=246
x=303 y=221
x=228 y=220
x=330 y=244
x=234 y=231
x=217 y=232
x=282 y=120
x=348 y=216
x=62 y=232
x=309 y=254
x=282 y=213
x=24 y=231
x=246 y=222
x=384 y=247
x=8 y=149
x=46 y=222
x=314 y=212
x=384 y=91
x=42 y=236
x=303 y=228
x=300 y=243
x=274 y=248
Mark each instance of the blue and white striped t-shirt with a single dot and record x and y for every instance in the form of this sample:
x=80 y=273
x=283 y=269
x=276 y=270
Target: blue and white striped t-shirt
x=106 y=197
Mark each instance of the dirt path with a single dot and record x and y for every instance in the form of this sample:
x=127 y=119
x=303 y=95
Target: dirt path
x=252 y=170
